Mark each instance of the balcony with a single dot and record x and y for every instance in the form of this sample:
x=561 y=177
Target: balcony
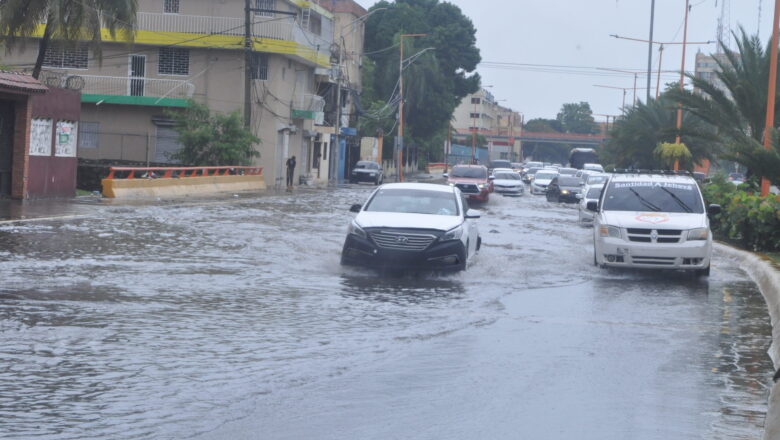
x=308 y=106
x=157 y=28
x=133 y=90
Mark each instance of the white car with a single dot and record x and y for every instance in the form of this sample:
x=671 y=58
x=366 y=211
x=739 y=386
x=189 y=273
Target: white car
x=507 y=182
x=413 y=226
x=589 y=194
x=654 y=221
x=593 y=167
x=542 y=178
x=594 y=178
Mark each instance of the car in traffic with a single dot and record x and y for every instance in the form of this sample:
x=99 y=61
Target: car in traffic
x=563 y=188
x=471 y=180
x=528 y=175
x=567 y=171
x=499 y=163
x=508 y=183
x=593 y=167
x=531 y=164
x=366 y=171
x=517 y=167
x=412 y=226
x=588 y=194
x=594 y=178
x=541 y=179
x=652 y=221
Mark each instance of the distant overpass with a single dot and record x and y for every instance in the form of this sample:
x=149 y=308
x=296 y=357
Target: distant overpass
x=501 y=138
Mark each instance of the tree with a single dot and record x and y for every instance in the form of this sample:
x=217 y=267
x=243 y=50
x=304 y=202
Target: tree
x=738 y=109
x=212 y=140
x=67 y=22
x=436 y=81
x=577 y=118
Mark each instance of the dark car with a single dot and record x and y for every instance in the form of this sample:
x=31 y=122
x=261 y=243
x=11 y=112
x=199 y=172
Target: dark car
x=564 y=189
x=366 y=171
x=499 y=164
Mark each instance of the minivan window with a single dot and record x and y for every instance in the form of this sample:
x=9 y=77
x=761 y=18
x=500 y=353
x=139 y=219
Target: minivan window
x=653 y=196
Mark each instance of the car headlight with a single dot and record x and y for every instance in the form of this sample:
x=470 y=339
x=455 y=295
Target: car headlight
x=482 y=186
x=453 y=234
x=452 y=184
x=565 y=191
x=609 y=231
x=698 y=234
x=355 y=229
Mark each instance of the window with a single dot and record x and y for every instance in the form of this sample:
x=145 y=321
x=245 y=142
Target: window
x=174 y=61
x=66 y=58
x=315 y=24
x=265 y=4
x=259 y=66
x=89 y=134
x=475 y=100
x=474 y=115
x=171 y=6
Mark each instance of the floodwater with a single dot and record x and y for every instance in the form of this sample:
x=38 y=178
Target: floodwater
x=233 y=319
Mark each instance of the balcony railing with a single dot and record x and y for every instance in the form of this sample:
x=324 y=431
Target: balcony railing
x=275 y=28
x=134 y=86
x=309 y=103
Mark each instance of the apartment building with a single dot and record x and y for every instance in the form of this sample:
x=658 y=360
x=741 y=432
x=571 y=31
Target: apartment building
x=501 y=126
x=194 y=49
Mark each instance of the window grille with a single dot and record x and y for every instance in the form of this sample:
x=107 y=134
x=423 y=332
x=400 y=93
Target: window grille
x=66 y=58
x=265 y=4
x=89 y=134
x=259 y=66
x=174 y=61
x=171 y=7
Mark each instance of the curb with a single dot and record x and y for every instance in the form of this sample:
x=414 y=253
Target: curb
x=767 y=278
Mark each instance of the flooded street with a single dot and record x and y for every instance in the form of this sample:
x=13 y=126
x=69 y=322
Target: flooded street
x=233 y=319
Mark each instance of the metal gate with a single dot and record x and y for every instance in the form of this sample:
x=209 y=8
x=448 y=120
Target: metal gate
x=167 y=145
x=137 y=70
x=6 y=147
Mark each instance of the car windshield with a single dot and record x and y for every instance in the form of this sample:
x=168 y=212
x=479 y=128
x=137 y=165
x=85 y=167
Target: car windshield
x=500 y=164
x=595 y=179
x=653 y=196
x=533 y=164
x=365 y=166
x=544 y=175
x=470 y=172
x=593 y=193
x=569 y=181
x=570 y=171
x=507 y=176
x=413 y=201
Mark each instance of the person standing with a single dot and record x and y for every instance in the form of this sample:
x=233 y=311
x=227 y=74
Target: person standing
x=290 y=172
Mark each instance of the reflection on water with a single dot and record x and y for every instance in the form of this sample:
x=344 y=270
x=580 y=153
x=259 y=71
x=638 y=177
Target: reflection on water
x=156 y=322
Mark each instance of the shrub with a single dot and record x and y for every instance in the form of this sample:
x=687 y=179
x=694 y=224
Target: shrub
x=747 y=219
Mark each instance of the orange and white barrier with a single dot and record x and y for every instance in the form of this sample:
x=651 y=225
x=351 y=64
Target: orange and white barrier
x=139 y=182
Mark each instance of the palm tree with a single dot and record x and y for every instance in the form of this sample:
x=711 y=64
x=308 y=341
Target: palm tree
x=635 y=137
x=66 y=22
x=739 y=109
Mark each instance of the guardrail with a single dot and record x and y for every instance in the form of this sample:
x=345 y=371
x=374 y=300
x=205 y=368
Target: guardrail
x=181 y=172
x=137 y=86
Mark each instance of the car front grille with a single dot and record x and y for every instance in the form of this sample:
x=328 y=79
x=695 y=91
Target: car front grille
x=468 y=188
x=402 y=241
x=657 y=261
x=665 y=236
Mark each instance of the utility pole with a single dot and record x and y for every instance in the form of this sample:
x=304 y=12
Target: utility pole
x=650 y=47
x=399 y=169
x=247 y=64
x=677 y=139
x=770 y=101
x=337 y=137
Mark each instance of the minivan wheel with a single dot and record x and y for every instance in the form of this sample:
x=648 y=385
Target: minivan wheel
x=703 y=272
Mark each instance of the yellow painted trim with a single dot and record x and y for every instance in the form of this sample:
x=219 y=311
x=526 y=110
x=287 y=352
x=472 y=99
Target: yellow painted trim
x=183 y=187
x=303 y=4
x=204 y=41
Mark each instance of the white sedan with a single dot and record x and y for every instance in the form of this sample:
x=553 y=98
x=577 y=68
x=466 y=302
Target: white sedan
x=542 y=178
x=413 y=226
x=507 y=182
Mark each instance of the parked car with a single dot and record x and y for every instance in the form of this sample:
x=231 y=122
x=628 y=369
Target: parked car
x=471 y=180
x=652 y=221
x=588 y=194
x=367 y=171
x=593 y=167
x=563 y=188
x=542 y=178
x=568 y=171
x=508 y=183
x=413 y=226
x=736 y=178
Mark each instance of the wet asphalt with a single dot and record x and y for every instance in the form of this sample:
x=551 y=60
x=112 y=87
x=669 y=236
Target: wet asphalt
x=232 y=319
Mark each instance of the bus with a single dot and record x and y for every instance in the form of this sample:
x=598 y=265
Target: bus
x=580 y=156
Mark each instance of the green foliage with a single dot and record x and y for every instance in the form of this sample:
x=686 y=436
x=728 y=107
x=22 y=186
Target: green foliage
x=747 y=219
x=541 y=125
x=635 y=137
x=212 y=140
x=670 y=153
x=577 y=118
x=67 y=22
x=435 y=82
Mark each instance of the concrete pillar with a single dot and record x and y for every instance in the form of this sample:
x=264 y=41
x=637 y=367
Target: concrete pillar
x=21 y=159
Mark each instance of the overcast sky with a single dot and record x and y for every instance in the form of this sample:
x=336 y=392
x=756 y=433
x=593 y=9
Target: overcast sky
x=577 y=33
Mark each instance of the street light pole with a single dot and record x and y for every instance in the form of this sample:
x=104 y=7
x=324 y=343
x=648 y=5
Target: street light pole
x=650 y=47
x=770 y=101
x=682 y=79
x=399 y=168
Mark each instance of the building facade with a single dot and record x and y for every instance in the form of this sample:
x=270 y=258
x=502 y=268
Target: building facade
x=194 y=49
x=479 y=113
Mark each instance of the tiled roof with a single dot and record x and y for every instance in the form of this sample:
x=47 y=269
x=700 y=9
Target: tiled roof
x=20 y=81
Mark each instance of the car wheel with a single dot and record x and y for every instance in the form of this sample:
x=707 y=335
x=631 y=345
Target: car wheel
x=703 y=272
x=479 y=242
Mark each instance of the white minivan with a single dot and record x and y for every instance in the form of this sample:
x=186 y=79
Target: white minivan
x=653 y=221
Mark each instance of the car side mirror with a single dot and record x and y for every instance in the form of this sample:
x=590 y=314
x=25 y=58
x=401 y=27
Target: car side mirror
x=593 y=206
x=473 y=214
x=355 y=208
x=492 y=178
x=714 y=209
x=578 y=196
x=445 y=175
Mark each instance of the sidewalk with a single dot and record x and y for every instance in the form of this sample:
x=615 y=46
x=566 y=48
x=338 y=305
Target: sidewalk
x=15 y=210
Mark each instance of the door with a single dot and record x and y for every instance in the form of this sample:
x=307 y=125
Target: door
x=6 y=147
x=137 y=70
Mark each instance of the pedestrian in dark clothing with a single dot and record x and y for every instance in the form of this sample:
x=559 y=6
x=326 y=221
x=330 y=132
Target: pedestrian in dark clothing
x=290 y=172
